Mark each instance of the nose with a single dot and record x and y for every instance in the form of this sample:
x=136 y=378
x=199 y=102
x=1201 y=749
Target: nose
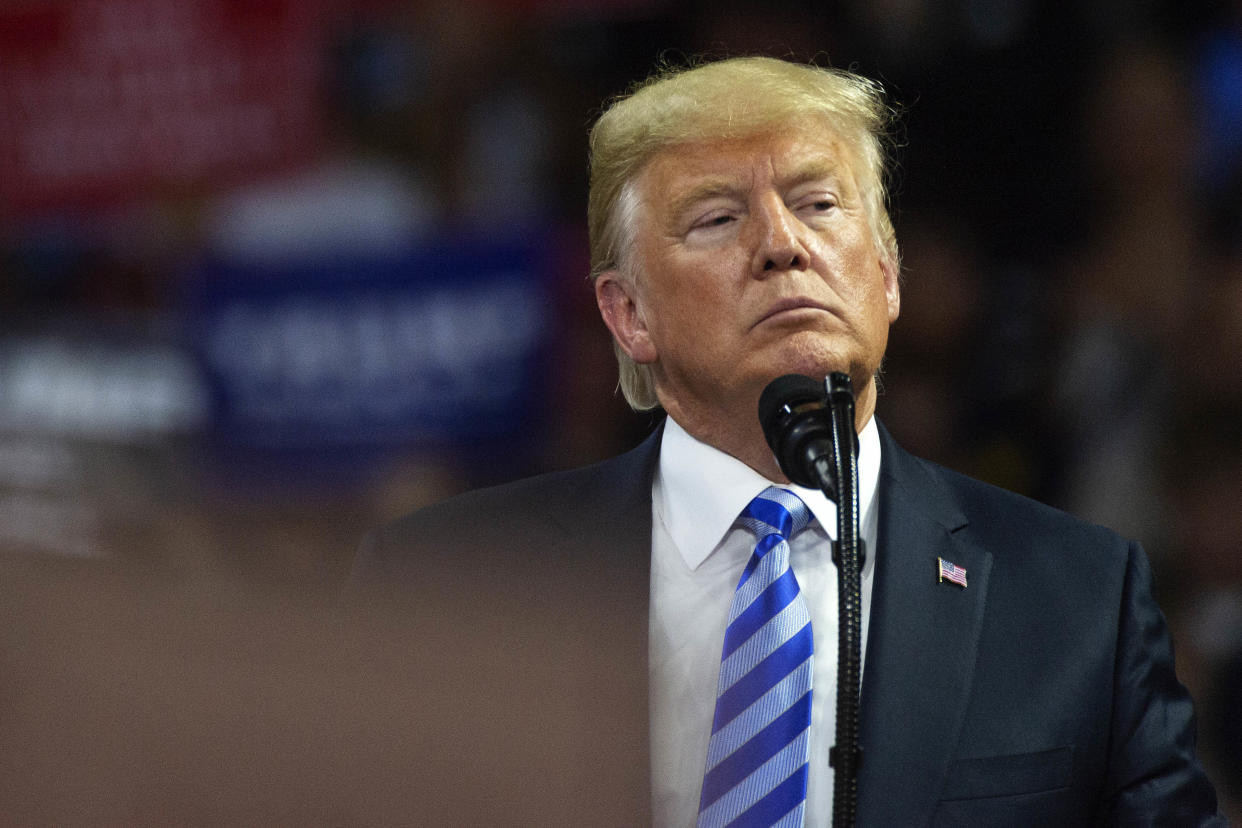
x=779 y=245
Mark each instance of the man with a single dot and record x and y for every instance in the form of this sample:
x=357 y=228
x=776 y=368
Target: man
x=739 y=233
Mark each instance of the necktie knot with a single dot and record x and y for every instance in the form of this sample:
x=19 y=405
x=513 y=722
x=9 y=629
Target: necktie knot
x=776 y=511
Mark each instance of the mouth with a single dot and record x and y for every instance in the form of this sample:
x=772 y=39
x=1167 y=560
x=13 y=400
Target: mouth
x=790 y=307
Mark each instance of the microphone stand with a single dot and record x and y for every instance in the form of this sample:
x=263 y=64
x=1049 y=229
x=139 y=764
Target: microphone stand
x=848 y=554
x=797 y=414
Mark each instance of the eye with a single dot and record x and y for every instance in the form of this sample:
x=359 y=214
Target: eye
x=819 y=205
x=713 y=219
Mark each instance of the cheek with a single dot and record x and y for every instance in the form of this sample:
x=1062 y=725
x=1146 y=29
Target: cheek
x=850 y=262
x=691 y=290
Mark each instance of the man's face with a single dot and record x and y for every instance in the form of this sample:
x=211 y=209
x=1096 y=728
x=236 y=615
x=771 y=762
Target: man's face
x=753 y=258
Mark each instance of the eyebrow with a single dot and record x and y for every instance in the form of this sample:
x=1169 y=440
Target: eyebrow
x=817 y=169
x=711 y=188
x=719 y=187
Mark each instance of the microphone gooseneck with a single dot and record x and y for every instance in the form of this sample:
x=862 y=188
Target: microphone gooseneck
x=848 y=554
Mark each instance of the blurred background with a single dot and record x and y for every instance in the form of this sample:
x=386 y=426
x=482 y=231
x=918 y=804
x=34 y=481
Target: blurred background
x=273 y=273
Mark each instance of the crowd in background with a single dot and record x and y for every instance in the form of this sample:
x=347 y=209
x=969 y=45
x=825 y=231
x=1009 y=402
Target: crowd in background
x=1067 y=197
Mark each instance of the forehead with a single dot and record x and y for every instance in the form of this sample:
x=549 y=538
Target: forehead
x=782 y=156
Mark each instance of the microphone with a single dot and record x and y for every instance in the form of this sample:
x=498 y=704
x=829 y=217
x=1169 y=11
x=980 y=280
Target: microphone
x=796 y=422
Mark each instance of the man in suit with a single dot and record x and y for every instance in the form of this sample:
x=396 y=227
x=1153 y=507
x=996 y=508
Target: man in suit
x=739 y=233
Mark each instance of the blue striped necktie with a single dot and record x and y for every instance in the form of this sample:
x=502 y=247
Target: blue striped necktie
x=757 y=756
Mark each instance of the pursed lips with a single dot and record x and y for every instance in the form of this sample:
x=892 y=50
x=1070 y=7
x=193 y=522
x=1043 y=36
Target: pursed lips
x=792 y=304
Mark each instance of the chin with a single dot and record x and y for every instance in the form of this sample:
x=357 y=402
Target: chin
x=812 y=356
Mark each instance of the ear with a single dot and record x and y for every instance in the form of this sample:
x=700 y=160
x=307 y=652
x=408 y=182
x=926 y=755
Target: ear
x=892 y=287
x=618 y=305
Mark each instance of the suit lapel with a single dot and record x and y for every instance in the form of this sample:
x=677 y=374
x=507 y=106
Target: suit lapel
x=922 y=639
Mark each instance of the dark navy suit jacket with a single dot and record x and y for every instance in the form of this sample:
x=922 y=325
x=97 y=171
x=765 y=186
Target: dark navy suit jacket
x=1043 y=693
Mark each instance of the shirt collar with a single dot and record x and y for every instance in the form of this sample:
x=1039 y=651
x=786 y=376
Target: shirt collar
x=704 y=490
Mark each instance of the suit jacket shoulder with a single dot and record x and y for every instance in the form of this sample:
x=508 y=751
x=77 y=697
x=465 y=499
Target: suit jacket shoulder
x=594 y=519
x=955 y=500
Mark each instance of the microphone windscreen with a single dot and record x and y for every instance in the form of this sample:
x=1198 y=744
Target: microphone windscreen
x=781 y=394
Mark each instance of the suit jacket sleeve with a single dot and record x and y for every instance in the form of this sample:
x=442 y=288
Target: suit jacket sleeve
x=1154 y=777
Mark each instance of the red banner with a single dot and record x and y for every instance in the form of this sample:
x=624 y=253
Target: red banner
x=105 y=100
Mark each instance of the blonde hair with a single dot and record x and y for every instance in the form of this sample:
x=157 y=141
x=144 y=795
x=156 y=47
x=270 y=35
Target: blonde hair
x=729 y=98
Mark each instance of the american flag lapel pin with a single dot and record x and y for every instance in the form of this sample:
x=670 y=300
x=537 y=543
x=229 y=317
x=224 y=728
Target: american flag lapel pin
x=950 y=571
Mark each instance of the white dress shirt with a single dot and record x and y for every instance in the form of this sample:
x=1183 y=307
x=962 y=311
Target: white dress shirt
x=697 y=557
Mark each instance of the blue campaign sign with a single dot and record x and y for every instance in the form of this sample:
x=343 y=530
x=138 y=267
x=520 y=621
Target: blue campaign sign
x=435 y=344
